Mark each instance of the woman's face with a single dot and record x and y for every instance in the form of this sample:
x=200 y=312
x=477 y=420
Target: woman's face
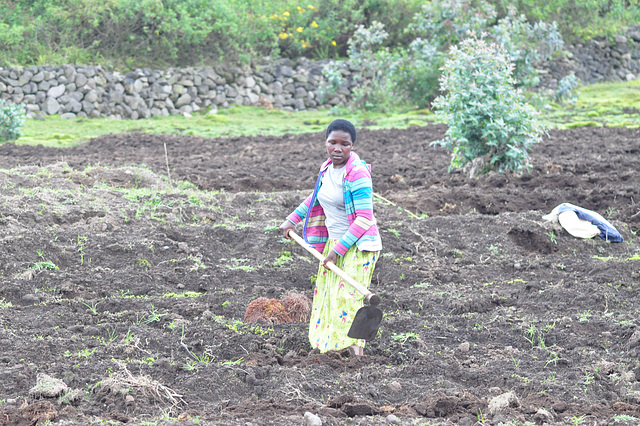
x=339 y=146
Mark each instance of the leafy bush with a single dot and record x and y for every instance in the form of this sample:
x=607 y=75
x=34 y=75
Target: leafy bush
x=11 y=121
x=444 y=23
x=373 y=67
x=441 y=24
x=582 y=19
x=187 y=32
x=565 y=92
x=438 y=25
x=418 y=72
x=332 y=73
x=526 y=44
x=490 y=125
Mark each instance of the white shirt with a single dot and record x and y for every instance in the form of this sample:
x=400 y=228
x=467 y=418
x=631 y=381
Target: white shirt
x=331 y=198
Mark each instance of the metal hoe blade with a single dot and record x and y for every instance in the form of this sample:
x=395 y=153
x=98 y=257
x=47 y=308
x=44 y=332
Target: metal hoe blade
x=366 y=323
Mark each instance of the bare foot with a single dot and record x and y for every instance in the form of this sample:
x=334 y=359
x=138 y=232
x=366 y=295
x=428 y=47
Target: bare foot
x=356 y=350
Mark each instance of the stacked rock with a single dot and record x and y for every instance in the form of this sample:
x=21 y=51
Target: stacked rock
x=91 y=91
x=597 y=60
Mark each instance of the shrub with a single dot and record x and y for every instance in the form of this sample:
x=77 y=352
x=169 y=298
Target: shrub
x=580 y=19
x=490 y=125
x=187 y=32
x=441 y=24
x=321 y=29
x=444 y=23
x=11 y=121
x=565 y=92
x=526 y=43
x=332 y=80
x=418 y=72
x=373 y=67
x=438 y=25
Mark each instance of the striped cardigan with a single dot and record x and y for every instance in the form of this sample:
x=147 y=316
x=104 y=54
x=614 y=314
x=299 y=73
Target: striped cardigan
x=358 y=201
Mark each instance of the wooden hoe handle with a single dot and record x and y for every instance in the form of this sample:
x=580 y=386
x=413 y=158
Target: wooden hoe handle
x=371 y=298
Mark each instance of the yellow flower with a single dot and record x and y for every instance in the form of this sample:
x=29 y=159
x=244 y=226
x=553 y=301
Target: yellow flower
x=305 y=44
x=286 y=14
x=299 y=29
x=283 y=36
x=333 y=42
x=311 y=7
x=301 y=10
x=314 y=24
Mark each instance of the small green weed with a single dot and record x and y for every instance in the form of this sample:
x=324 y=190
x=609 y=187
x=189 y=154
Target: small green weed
x=237 y=264
x=536 y=336
x=603 y=258
x=153 y=316
x=269 y=229
x=111 y=334
x=129 y=337
x=191 y=365
x=81 y=246
x=236 y=362
x=625 y=418
x=143 y=263
x=585 y=316
x=404 y=337
x=516 y=362
x=44 y=265
x=283 y=259
x=577 y=420
x=93 y=307
x=204 y=358
x=86 y=353
x=185 y=294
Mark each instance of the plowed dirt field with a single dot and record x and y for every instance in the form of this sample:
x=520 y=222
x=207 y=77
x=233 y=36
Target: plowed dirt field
x=125 y=273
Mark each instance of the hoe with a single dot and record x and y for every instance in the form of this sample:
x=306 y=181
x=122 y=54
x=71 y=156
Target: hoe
x=367 y=320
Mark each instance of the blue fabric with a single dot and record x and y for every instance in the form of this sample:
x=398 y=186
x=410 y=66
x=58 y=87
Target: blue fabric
x=607 y=231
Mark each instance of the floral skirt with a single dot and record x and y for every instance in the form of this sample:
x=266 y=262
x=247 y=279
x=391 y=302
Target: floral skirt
x=335 y=302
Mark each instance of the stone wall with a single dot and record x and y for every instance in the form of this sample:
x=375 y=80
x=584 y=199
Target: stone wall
x=597 y=60
x=92 y=91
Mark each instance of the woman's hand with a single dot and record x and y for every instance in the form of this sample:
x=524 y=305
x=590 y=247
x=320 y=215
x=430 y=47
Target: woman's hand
x=285 y=227
x=332 y=257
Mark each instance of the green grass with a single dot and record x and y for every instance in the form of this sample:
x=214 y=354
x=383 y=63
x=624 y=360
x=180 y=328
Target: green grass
x=611 y=104
x=235 y=121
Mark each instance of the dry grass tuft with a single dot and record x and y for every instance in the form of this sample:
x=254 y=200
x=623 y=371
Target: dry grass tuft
x=298 y=306
x=268 y=310
x=121 y=381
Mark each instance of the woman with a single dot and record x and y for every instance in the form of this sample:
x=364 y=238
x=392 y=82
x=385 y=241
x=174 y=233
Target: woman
x=339 y=223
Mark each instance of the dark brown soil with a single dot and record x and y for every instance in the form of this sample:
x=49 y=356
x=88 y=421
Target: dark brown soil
x=141 y=317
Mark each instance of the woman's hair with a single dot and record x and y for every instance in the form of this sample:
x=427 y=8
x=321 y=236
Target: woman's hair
x=344 y=125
